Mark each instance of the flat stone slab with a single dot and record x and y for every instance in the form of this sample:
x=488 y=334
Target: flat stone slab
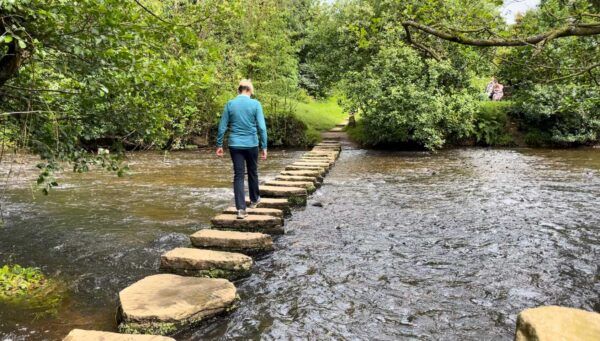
x=322 y=171
x=552 y=323
x=243 y=242
x=257 y=211
x=311 y=163
x=312 y=173
x=336 y=129
x=282 y=192
x=322 y=153
x=277 y=203
x=294 y=178
x=206 y=263
x=165 y=303
x=309 y=185
x=252 y=223
x=309 y=158
x=95 y=335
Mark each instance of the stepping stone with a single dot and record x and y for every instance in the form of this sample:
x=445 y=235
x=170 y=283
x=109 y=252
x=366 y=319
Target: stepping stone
x=551 y=323
x=206 y=263
x=328 y=144
x=341 y=125
x=309 y=185
x=296 y=196
x=282 y=192
x=313 y=163
x=336 y=129
x=323 y=153
x=323 y=158
x=252 y=223
x=95 y=335
x=243 y=242
x=164 y=304
x=326 y=148
x=257 y=211
x=277 y=203
x=321 y=171
x=312 y=173
x=294 y=178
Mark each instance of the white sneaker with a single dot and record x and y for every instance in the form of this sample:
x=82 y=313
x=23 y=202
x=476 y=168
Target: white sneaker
x=254 y=204
x=242 y=214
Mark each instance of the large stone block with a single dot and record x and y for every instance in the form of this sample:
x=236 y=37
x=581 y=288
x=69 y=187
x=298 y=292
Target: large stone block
x=165 y=303
x=252 y=223
x=257 y=211
x=553 y=323
x=234 y=241
x=206 y=263
x=312 y=173
x=95 y=335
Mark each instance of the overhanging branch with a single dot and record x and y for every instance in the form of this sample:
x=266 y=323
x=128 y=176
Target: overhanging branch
x=577 y=30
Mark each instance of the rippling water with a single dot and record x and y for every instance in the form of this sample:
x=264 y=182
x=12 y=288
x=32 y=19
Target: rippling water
x=406 y=245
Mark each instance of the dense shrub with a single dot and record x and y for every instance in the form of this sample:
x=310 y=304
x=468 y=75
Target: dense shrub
x=285 y=130
x=564 y=115
x=406 y=99
x=491 y=123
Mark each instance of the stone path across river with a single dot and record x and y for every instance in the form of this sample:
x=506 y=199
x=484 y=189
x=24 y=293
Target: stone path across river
x=198 y=284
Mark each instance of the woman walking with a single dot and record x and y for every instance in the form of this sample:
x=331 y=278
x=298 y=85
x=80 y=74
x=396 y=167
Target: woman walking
x=246 y=122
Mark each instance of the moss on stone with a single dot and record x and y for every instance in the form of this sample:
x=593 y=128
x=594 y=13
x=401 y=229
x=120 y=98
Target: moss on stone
x=297 y=201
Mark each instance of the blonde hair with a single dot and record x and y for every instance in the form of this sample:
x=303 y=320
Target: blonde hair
x=246 y=85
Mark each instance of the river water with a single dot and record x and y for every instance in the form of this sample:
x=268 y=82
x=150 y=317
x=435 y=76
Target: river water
x=401 y=245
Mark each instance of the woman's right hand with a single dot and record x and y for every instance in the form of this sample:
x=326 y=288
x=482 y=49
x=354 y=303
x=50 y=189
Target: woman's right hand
x=220 y=152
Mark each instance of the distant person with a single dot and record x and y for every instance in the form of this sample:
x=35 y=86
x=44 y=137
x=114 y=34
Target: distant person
x=498 y=92
x=489 y=89
x=246 y=122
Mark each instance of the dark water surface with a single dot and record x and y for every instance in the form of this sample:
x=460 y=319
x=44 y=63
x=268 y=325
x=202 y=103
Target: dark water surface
x=407 y=245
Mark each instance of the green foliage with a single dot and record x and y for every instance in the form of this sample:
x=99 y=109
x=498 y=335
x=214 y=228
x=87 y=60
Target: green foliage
x=491 y=123
x=109 y=74
x=405 y=99
x=16 y=281
x=565 y=115
x=319 y=115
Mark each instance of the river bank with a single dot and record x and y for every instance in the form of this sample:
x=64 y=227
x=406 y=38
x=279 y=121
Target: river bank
x=404 y=244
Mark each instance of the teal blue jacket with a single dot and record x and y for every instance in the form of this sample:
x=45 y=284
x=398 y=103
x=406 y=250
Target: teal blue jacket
x=244 y=116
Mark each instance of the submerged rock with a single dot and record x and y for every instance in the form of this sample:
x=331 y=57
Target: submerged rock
x=557 y=323
x=243 y=242
x=163 y=304
x=206 y=263
x=94 y=335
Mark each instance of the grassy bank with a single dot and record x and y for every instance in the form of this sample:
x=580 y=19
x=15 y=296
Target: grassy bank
x=319 y=115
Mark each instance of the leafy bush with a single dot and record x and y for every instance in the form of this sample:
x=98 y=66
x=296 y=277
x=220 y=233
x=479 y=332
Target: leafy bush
x=285 y=129
x=404 y=98
x=564 y=115
x=491 y=123
x=16 y=280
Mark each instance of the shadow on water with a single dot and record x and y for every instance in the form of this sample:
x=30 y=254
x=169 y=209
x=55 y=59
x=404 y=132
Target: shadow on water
x=405 y=245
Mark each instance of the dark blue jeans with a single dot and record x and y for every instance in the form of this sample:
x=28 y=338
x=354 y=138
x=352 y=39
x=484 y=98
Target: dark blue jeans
x=244 y=158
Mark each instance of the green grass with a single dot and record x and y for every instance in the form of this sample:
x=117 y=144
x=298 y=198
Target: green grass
x=319 y=115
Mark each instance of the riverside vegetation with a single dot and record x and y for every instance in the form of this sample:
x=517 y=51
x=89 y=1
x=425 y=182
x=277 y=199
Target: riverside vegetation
x=155 y=74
